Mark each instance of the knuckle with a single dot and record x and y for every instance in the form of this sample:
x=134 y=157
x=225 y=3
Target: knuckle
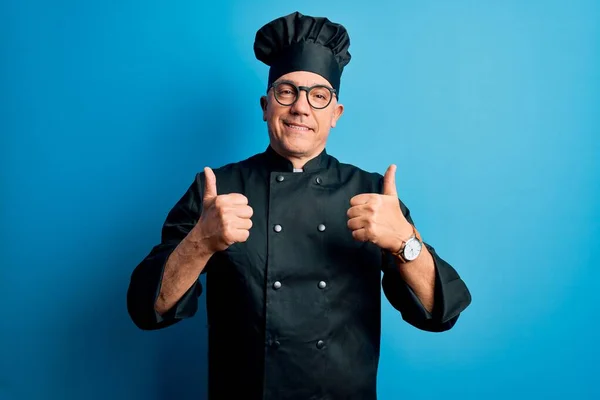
x=241 y=236
x=374 y=216
x=227 y=227
x=240 y=198
x=227 y=238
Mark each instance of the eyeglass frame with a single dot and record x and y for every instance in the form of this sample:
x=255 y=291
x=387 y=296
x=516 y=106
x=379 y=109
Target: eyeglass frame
x=307 y=89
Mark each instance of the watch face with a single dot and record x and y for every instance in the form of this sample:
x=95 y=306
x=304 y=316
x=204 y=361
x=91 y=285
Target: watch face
x=412 y=249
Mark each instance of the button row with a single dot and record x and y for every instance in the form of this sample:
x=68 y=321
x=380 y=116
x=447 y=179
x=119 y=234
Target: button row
x=275 y=343
x=278 y=228
x=281 y=178
x=321 y=285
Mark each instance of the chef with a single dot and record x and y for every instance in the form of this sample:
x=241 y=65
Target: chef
x=296 y=246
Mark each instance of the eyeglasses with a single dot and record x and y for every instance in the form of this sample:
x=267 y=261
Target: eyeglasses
x=318 y=96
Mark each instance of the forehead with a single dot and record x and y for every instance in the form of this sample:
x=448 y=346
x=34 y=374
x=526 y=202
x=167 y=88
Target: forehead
x=304 y=78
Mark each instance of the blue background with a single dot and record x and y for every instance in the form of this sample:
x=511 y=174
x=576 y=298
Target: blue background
x=489 y=109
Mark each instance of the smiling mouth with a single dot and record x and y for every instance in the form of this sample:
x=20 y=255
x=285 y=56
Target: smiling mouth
x=296 y=127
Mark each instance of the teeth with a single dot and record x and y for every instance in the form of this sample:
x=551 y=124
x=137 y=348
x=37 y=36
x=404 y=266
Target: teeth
x=300 y=128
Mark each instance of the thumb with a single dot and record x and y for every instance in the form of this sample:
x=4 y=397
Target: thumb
x=389 y=181
x=210 y=185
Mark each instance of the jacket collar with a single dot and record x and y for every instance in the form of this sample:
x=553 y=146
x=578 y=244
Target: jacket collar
x=276 y=162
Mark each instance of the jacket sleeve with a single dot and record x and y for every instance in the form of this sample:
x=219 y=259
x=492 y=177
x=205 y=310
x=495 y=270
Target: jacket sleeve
x=451 y=295
x=146 y=279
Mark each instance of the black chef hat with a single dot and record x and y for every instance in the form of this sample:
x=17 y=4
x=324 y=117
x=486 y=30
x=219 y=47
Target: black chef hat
x=297 y=42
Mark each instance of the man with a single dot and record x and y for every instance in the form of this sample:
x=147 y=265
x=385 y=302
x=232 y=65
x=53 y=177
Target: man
x=293 y=244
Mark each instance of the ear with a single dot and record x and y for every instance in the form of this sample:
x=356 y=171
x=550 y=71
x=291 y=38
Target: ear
x=337 y=113
x=263 y=104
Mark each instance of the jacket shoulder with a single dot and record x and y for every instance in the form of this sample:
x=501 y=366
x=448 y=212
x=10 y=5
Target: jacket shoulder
x=233 y=165
x=230 y=175
x=351 y=172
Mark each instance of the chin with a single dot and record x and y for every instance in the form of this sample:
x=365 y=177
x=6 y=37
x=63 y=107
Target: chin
x=294 y=150
x=298 y=145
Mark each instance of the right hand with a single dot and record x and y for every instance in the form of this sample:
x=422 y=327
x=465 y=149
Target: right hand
x=225 y=219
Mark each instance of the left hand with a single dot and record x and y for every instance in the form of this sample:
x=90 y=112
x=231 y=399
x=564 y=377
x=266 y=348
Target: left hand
x=378 y=218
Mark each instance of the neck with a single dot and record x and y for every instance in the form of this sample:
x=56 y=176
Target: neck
x=297 y=160
x=298 y=163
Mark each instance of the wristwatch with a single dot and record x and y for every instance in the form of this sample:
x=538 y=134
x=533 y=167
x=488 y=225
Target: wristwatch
x=411 y=248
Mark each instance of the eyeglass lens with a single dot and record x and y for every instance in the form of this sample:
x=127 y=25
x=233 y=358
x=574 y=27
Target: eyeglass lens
x=318 y=96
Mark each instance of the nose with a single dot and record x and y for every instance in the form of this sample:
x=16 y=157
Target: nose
x=301 y=106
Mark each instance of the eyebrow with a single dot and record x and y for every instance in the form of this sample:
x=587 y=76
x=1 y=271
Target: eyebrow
x=296 y=84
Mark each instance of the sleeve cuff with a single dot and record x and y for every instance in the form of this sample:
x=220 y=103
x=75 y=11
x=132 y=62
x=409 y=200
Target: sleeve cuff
x=451 y=295
x=142 y=294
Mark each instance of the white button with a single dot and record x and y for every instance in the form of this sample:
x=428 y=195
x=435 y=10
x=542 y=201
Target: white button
x=277 y=228
x=276 y=285
x=322 y=285
x=321 y=227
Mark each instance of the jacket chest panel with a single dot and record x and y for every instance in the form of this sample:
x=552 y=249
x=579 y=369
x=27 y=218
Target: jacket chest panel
x=299 y=228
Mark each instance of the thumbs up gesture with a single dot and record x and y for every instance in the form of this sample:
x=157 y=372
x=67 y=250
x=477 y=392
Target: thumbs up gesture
x=378 y=218
x=225 y=219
